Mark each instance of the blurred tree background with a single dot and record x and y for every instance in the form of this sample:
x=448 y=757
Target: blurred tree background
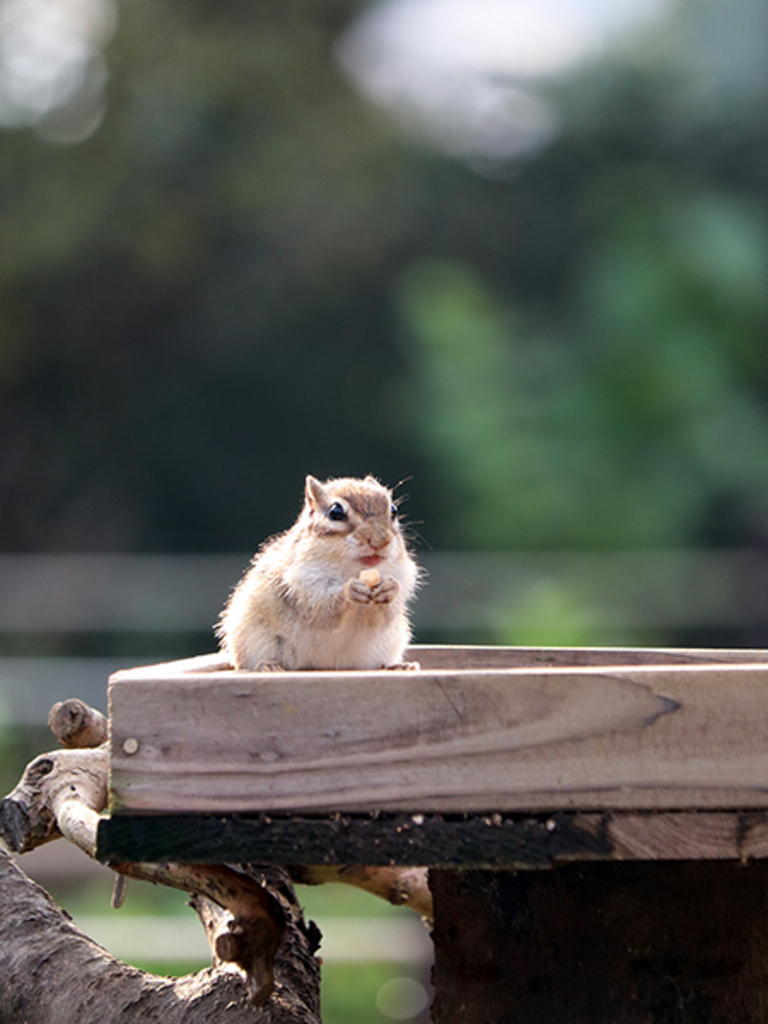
x=513 y=254
x=516 y=253
x=223 y=266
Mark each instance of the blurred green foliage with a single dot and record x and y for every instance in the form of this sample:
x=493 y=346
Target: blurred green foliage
x=621 y=421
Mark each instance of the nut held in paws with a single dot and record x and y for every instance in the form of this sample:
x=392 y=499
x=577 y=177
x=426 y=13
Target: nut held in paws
x=371 y=577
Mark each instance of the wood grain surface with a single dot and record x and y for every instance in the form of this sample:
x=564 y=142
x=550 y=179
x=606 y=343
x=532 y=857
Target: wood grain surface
x=476 y=729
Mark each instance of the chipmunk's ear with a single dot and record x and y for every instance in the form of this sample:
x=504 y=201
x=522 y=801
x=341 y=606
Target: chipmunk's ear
x=316 y=495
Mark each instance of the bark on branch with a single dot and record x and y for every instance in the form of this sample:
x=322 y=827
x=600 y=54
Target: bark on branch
x=53 y=974
x=402 y=887
x=75 y=724
x=264 y=965
x=264 y=972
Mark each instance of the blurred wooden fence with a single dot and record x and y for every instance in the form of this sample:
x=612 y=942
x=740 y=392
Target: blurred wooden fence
x=615 y=597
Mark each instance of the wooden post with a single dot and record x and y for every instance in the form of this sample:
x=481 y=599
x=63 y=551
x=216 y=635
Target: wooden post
x=603 y=943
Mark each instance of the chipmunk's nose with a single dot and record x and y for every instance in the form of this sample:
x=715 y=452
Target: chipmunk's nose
x=377 y=535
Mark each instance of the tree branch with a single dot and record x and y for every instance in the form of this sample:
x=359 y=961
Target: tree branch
x=253 y=921
x=402 y=887
x=251 y=916
x=62 y=792
x=53 y=974
x=75 y=724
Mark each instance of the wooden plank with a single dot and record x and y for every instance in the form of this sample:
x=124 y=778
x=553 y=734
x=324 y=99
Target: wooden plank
x=714 y=835
x=689 y=735
x=448 y=657
x=477 y=656
x=468 y=841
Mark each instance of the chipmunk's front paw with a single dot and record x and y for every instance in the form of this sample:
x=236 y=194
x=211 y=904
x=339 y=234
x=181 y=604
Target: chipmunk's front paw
x=385 y=591
x=358 y=591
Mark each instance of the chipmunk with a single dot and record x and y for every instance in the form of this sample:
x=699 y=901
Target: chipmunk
x=329 y=593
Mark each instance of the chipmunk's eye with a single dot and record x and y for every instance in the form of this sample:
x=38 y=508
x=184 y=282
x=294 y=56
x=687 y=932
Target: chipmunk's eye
x=336 y=512
x=393 y=511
